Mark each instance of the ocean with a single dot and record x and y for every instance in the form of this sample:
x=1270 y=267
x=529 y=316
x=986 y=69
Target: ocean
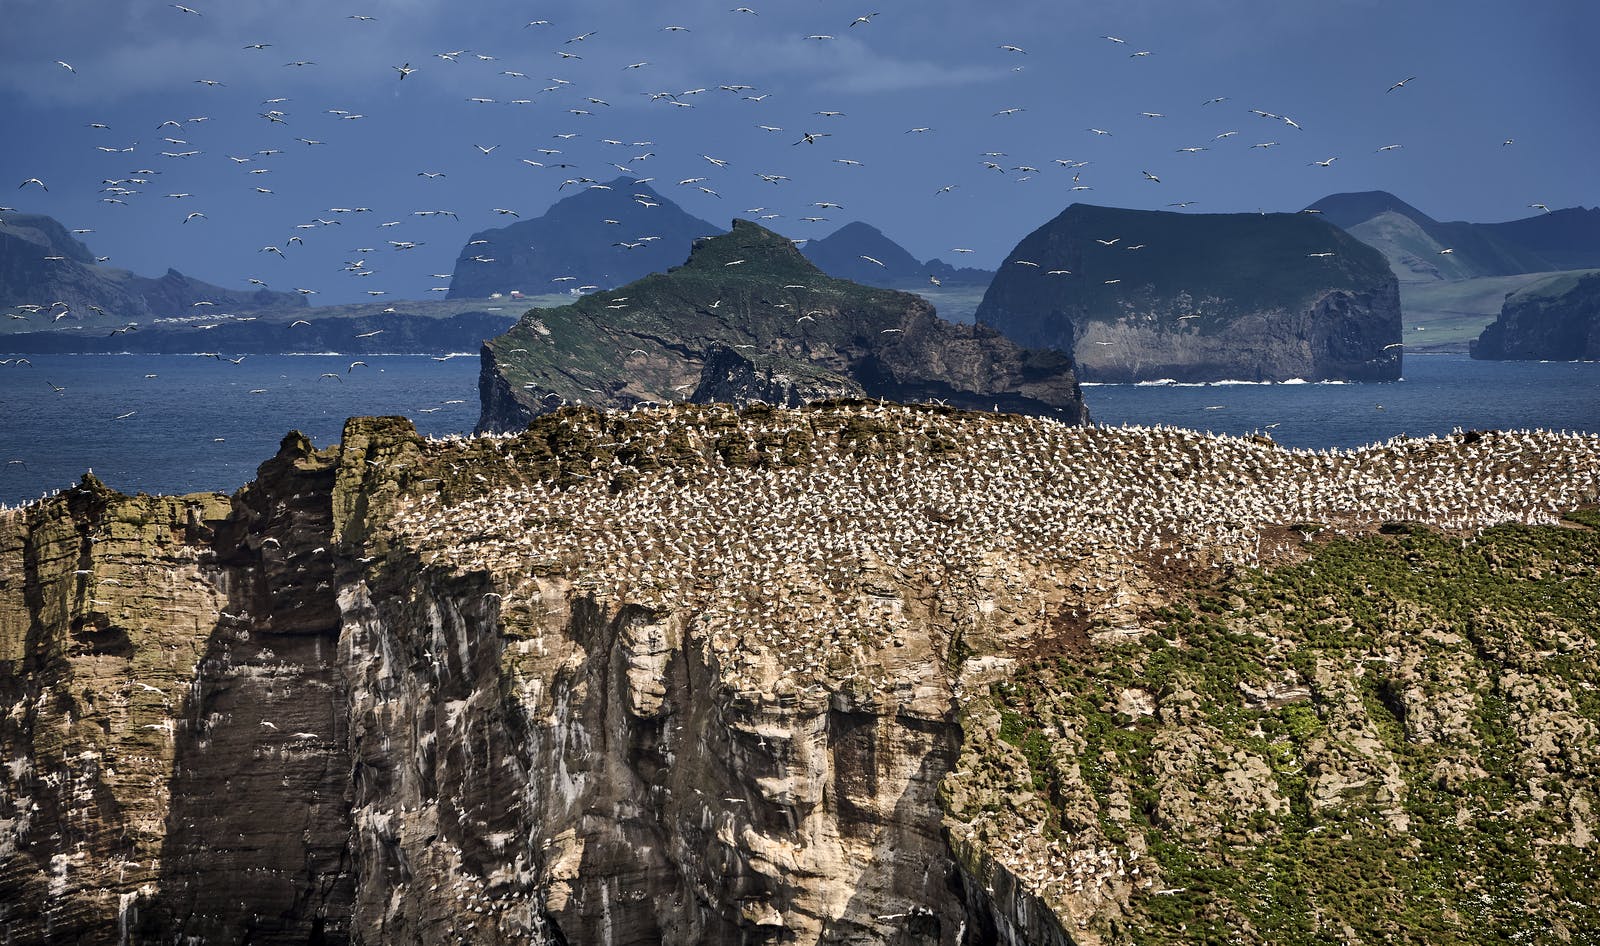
x=188 y=423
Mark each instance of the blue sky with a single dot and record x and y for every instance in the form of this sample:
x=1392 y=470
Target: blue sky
x=1484 y=72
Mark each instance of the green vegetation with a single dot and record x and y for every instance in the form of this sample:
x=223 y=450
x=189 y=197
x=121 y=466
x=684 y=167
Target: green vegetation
x=1451 y=314
x=1426 y=705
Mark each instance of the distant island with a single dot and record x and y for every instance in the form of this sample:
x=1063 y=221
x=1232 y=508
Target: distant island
x=48 y=279
x=747 y=318
x=1135 y=295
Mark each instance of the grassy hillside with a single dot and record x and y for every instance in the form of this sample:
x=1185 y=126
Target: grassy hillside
x=1345 y=747
x=1450 y=314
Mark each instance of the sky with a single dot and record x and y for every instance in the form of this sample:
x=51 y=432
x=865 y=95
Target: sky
x=329 y=129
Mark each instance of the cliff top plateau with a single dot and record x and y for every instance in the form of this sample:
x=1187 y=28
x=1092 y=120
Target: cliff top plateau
x=855 y=672
x=748 y=318
x=1140 y=295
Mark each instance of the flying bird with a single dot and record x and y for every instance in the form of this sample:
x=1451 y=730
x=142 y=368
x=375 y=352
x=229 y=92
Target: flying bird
x=404 y=70
x=31 y=180
x=1399 y=84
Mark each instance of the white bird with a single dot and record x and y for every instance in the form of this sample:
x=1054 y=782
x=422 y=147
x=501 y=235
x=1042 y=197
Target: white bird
x=66 y=65
x=1326 y=163
x=183 y=9
x=404 y=70
x=1399 y=84
x=871 y=260
x=1150 y=177
x=31 y=180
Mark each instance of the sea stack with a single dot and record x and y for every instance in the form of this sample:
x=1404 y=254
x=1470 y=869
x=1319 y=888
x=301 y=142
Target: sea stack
x=1138 y=295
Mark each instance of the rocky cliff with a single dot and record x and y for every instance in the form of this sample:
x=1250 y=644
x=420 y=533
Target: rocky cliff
x=45 y=272
x=854 y=673
x=1145 y=295
x=748 y=318
x=1556 y=319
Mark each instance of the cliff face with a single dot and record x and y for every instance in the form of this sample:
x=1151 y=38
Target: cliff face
x=1557 y=319
x=1145 y=295
x=750 y=297
x=857 y=672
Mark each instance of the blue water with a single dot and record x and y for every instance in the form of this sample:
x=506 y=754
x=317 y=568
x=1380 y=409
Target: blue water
x=1439 y=394
x=197 y=425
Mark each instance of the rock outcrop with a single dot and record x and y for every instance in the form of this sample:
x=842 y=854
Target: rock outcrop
x=1556 y=319
x=1147 y=295
x=45 y=272
x=859 y=672
x=861 y=253
x=600 y=237
x=748 y=317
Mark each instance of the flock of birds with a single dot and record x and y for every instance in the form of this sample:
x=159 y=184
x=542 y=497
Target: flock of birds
x=789 y=562
x=890 y=529
x=585 y=139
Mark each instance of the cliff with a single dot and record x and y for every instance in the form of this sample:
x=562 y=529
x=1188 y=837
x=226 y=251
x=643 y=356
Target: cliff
x=1555 y=319
x=601 y=236
x=857 y=672
x=843 y=254
x=1144 y=295
x=748 y=318
x=45 y=267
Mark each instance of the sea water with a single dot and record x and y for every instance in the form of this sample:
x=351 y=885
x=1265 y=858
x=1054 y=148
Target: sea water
x=187 y=423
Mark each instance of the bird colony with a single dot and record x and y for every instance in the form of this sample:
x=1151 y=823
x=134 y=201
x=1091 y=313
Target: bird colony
x=805 y=544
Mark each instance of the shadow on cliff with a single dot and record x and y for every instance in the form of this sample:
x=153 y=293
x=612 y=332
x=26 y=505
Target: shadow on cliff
x=256 y=838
